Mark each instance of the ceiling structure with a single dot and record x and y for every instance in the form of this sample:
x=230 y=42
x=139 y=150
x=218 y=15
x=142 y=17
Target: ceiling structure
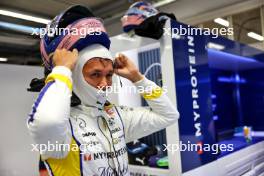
x=15 y=43
x=22 y=48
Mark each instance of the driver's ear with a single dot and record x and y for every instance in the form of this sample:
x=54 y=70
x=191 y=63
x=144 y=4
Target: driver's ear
x=114 y=64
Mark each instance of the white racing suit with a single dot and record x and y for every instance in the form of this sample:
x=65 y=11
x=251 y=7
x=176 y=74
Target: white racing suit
x=94 y=140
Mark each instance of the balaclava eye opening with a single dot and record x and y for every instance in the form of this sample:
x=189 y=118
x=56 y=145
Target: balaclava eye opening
x=89 y=95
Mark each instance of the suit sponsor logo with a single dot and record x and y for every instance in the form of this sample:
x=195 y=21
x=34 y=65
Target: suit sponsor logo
x=109 y=155
x=105 y=155
x=116 y=130
x=116 y=140
x=110 y=121
x=92 y=143
x=109 y=171
x=87 y=157
x=89 y=134
x=110 y=112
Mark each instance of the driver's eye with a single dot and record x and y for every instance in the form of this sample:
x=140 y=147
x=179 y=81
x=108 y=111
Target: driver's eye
x=95 y=74
x=109 y=75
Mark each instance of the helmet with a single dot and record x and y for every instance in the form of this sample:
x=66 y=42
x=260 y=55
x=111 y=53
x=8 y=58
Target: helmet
x=136 y=14
x=76 y=27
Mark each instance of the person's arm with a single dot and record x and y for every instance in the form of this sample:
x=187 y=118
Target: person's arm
x=48 y=122
x=142 y=121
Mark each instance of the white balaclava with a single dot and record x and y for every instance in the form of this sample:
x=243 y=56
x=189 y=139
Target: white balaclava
x=89 y=95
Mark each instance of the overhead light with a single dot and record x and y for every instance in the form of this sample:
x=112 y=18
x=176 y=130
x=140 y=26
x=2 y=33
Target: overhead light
x=19 y=28
x=162 y=3
x=255 y=36
x=24 y=17
x=2 y=59
x=215 y=46
x=222 y=22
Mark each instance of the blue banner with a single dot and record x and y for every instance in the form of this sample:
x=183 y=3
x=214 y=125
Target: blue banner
x=193 y=93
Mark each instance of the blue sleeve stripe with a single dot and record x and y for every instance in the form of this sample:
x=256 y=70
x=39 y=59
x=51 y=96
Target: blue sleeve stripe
x=36 y=104
x=49 y=168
